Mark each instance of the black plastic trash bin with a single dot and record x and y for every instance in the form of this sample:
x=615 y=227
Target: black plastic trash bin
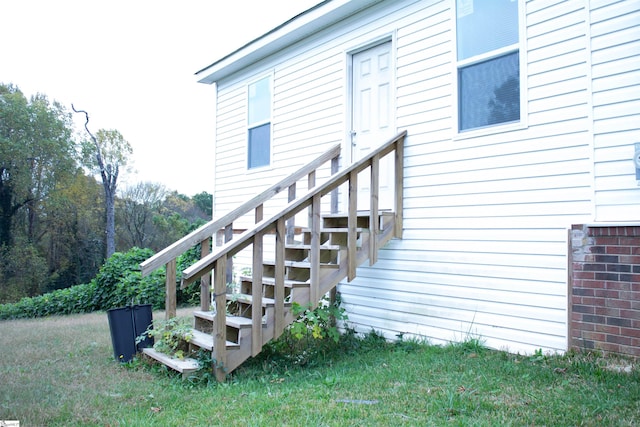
x=125 y=324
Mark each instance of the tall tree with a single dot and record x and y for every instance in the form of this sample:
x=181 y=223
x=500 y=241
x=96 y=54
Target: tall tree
x=138 y=205
x=106 y=153
x=37 y=159
x=37 y=152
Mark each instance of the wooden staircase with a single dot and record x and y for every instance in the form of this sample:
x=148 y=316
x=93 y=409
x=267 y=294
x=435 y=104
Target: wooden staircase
x=308 y=262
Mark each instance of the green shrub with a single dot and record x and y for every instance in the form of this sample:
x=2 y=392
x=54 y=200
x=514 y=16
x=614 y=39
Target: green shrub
x=118 y=283
x=76 y=299
x=312 y=335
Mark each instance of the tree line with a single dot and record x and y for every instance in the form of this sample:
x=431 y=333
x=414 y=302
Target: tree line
x=54 y=213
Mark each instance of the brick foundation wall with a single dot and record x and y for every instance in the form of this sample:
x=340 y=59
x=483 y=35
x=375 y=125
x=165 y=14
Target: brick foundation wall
x=604 y=305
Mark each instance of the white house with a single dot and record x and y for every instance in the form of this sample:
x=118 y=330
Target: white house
x=522 y=119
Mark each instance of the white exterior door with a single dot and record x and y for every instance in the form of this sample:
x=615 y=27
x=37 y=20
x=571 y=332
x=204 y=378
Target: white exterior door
x=372 y=117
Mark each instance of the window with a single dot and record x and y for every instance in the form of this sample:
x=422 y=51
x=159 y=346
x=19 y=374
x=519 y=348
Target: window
x=488 y=63
x=259 y=124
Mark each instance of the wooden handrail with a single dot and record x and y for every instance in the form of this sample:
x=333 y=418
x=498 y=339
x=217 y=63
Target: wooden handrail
x=206 y=264
x=205 y=232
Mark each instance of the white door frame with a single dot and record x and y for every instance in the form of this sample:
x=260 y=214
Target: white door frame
x=348 y=152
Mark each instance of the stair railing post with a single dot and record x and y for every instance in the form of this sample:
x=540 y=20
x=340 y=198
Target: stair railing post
x=279 y=278
x=399 y=184
x=311 y=182
x=205 y=280
x=256 y=288
x=228 y=236
x=314 y=256
x=219 y=354
x=170 y=301
x=291 y=222
x=352 y=222
x=335 y=165
x=374 y=224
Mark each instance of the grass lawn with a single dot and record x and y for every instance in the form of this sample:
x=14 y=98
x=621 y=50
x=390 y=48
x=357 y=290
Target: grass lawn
x=60 y=372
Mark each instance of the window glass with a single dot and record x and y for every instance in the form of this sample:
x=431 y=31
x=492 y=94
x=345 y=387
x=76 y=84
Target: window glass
x=259 y=146
x=488 y=62
x=489 y=92
x=259 y=124
x=259 y=101
x=485 y=25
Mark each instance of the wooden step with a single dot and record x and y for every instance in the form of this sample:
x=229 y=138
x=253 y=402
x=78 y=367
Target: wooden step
x=300 y=252
x=342 y=219
x=205 y=341
x=248 y=299
x=233 y=321
x=185 y=366
x=270 y=281
x=299 y=264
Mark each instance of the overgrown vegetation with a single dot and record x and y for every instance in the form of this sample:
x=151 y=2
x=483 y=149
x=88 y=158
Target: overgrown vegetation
x=170 y=336
x=313 y=334
x=117 y=284
x=61 y=372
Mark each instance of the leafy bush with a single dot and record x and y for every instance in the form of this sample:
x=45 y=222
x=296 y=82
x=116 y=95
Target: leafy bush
x=76 y=299
x=119 y=283
x=313 y=334
x=117 y=276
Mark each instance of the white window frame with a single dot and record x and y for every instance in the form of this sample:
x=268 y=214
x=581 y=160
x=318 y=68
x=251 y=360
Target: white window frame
x=256 y=124
x=519 y=47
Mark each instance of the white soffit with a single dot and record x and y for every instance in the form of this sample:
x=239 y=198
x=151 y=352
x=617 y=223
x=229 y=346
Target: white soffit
x=303 y=25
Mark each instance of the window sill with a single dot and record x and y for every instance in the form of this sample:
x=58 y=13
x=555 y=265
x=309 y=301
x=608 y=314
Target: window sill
x=259 y=169
x=490 y=130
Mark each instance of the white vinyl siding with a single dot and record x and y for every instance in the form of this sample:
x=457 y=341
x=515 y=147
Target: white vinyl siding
x=484 y=246
x=484 y=251
x=615 y=58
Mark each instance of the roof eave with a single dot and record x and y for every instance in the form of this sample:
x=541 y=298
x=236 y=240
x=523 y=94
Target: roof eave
x=308 y=22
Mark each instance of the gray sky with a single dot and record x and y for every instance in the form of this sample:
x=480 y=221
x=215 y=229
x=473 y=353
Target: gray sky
x=131 y=65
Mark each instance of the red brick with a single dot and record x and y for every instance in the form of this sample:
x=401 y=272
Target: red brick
x=630 y=259
x=579 y=308
x=585 y=292
x=594 y=336
x=577 y=266
x=619 y=339
x=606 y=293
x=586 y=275
x=596 y=302
x=633 y=350
x=630 y=295
x=582 y=326
x=607 y=311
x=593 y=284
x=607 y=241
x=578 y=300
x=630 y=241
x=630 y=314
x=620 y=250
x=621 y=286
x=633 y=278
x=630 y=332
x=613 y=330
x=618 y=303
x=607 y=346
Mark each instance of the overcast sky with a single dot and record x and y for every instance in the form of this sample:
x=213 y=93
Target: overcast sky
x=130 y=64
